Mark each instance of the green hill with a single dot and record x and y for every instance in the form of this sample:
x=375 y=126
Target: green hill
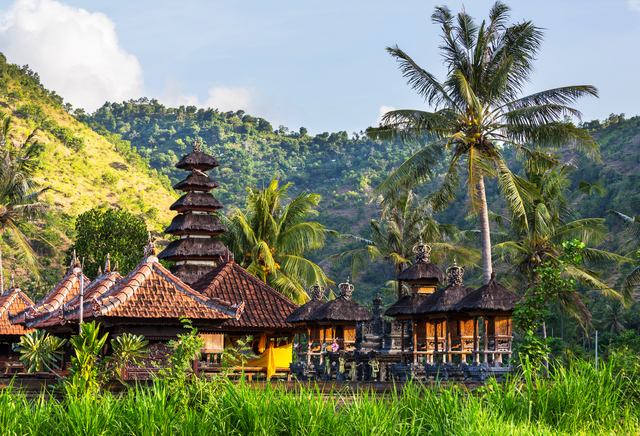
x=85 y=169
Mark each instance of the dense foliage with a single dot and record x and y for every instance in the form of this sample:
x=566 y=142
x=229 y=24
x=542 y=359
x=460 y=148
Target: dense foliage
x=114 y=232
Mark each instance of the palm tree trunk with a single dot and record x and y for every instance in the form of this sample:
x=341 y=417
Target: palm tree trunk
x=485 y=236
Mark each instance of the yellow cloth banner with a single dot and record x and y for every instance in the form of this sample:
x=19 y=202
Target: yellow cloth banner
x=263 y=343
x=274 y=357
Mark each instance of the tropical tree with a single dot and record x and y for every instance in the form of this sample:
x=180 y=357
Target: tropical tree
x=536 y=238
x=478 y=111
x=404 y=222
x=632 y=225
x=116 y=232
x=271 y=236
x=19 y=195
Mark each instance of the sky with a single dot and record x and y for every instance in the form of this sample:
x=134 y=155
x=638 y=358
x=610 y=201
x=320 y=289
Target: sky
x=320 y=64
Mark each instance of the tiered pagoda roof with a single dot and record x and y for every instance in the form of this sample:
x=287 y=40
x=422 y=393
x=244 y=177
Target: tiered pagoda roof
x=265 y=308
x=197 y=251
x=13 y=300
x=421 y=272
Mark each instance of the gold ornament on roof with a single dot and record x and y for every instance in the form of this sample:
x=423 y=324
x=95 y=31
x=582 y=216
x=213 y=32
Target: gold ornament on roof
x=455 y=274
x=422 y=252
x=346 y=289
x=316 y=291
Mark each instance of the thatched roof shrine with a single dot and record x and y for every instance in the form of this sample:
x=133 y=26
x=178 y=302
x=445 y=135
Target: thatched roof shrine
x=302 y=313
x=264 y=308
x=423 y=277
x=342 y=309
x=492 y=297
x=197 y=251
x=443 y=300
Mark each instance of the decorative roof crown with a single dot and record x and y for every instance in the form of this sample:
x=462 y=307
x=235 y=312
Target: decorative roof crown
x=316 y=291
x=455 y=274
x=422 y=252
x=12 y=286
x=197 y=146
x=107 y=264
x=346 y=289
x=150 y=249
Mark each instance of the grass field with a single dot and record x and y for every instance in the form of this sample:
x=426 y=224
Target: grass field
x=574 y=400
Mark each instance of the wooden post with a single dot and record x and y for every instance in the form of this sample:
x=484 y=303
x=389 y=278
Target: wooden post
x=415 y=343
x=447 y=345
x=195 y=362
x=309 y=345
x=476 y=344
x=486 y=338
x=402 y=341
x=435 y=342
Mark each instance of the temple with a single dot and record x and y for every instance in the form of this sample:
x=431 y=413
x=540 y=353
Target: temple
x=197 y=250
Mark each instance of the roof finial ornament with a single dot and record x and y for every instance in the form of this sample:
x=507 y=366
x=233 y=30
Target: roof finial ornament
x=12 y=286
x=107 y=264
x=422 y=252
x=455 y=274
x=74 y=260
x=99 y=271
x=197 y=146
x=345 y=289
x=316 y=291
x=150 y=249
x=115 y=268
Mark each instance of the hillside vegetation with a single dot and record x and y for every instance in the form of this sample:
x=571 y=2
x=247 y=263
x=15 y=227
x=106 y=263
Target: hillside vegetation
x=84 y=168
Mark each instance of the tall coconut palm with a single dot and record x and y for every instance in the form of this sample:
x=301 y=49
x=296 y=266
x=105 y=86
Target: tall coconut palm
x=632 y=225
x=270 y=238
x=478 y=110
x=19 y=195
x=536 y=238
x=405 y=221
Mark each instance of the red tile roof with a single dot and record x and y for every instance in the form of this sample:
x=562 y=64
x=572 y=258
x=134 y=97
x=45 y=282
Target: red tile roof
x=65 y=291
x=15 y=301
x=265 y=308
x=96 y=289
x=150 y=292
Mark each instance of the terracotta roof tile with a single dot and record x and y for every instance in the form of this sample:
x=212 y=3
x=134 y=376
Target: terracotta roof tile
x=13 y=301
x=265 y=308
x=151 y=292
x=65 y=291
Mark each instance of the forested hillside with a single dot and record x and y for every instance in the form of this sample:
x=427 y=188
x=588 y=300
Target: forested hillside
x=83 y=168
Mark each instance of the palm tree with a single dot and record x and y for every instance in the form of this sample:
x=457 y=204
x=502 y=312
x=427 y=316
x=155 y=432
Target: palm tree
x=405 y=221
x=478 y=110
x=270 y=238
x=632 y=225
x=536 y=237
x=19 y=195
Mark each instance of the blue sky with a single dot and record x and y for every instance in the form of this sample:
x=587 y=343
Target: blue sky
x=317 y=64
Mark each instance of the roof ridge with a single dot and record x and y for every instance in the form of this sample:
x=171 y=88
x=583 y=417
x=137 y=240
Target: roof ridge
x=105 y=305
x=211 y=302
x=10 y=301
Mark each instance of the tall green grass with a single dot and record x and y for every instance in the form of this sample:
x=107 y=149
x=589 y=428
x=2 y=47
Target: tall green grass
x=574 y=400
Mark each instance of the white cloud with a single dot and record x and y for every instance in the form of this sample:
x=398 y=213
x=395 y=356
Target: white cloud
x=76 y=53
x=634 y=5
x=383 y=110
x=172 y=95
x=228 y=99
